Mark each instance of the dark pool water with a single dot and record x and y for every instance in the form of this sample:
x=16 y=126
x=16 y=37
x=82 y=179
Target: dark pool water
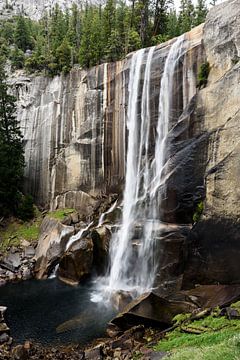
x=51 y=312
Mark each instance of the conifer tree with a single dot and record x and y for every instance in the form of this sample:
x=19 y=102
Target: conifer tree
x=22 y=34
x=11 y=151
x=200 y=12
x=186 y=16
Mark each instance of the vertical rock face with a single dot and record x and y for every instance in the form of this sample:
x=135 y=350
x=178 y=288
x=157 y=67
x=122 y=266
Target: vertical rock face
x=75 y=127
x=215 y=241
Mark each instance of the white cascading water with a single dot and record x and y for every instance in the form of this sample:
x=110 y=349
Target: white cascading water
x=132 y=262
x=103 y=216
x=77 y=236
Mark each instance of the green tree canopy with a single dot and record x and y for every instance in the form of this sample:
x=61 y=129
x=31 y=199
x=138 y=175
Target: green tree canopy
x=11 y=151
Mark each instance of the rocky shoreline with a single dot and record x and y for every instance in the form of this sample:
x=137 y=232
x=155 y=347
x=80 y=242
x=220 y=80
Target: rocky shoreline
x=120 y=346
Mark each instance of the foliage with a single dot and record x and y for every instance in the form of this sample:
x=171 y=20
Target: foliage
x=198 y=212
x=17 y=58
x=93 y=33
x=61 y=213
x=16 y=231
x=25 y=210
x=22 y=35
x=199 y=339
x=203 y=75
x=11 y=151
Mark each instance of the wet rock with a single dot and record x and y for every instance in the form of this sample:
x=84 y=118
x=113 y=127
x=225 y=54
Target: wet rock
x=26 y=273
x=120 y=299
x=2 y=282
x=19 y=353
x=11 y=276
x=4 y=338
x=76 y=264
x=3 y=328
x=51 y=245
x=27 y=345
x=101 y=238
x=2 y=312
x=113 y=330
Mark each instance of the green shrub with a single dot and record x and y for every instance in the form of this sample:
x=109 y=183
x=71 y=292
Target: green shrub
x=17 y=58
x=203 y=75
x=198 y=212
x=26 y=209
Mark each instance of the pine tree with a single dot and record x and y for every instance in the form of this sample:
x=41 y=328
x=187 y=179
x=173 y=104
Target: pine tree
x=63 y=55
x=11 y=151
x=201 y=12
x=172 y=25
x=161 y=9
x=186 y=16
x=22 y=34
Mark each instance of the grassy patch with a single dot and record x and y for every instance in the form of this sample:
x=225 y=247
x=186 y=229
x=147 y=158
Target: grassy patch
x=17 y=230
x=61 y=213
x=227 y=349
x=213 y=337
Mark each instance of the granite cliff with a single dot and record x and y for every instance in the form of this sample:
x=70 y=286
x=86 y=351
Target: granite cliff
x=75 y=139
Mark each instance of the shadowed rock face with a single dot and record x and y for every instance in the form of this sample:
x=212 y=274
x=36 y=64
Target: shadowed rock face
x=75 y=139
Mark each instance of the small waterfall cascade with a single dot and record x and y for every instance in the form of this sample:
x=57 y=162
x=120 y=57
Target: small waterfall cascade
x=103 y=216
x=133 y=266
x=77 y=236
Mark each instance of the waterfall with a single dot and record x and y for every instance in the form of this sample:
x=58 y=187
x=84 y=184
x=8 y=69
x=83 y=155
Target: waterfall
x=133 y=266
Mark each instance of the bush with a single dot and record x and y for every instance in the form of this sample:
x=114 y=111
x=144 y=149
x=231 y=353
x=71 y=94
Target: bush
x=203 y=75
x=198 y=212
x=26 y=209
x=17 y=58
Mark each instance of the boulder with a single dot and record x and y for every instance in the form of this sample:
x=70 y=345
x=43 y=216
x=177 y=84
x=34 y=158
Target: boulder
x=120 y=299
x=4 y=338
x=51 y=245
x=11 y=262
x=151 y=309
x=29 y=252
x=4 y=328
x=101 y=238
x=76 y=264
